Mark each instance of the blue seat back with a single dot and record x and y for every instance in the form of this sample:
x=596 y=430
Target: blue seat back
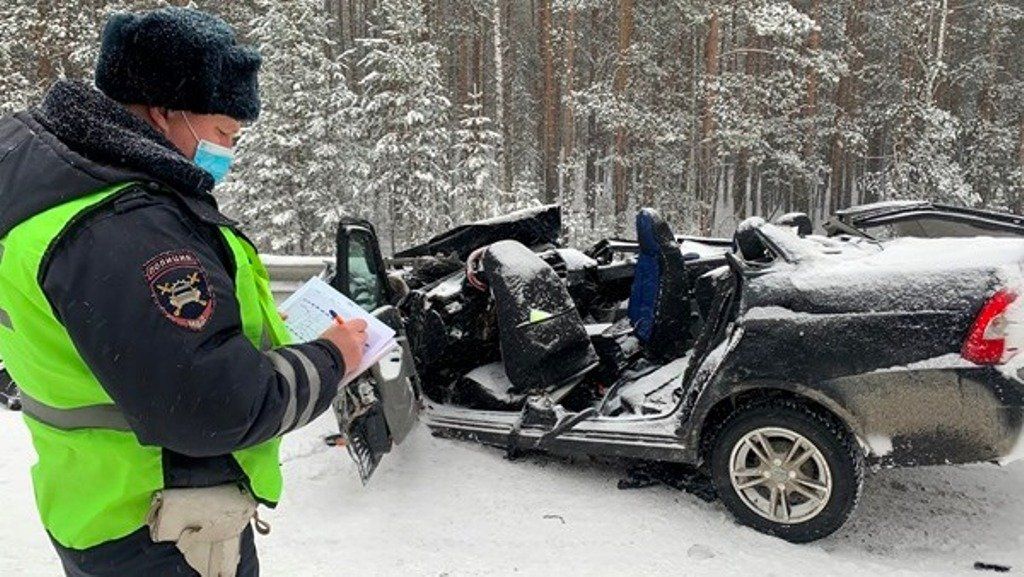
x=643 y=297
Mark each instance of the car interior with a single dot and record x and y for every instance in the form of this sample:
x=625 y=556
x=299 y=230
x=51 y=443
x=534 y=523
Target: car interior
x=610 y=335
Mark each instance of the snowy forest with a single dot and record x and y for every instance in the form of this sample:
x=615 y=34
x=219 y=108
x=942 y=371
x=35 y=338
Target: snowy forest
x=422 y=114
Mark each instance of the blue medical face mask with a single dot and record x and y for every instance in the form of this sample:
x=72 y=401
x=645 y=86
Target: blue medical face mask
x=211 y=157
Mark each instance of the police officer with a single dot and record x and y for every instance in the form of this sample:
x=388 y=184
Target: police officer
x=157 y=374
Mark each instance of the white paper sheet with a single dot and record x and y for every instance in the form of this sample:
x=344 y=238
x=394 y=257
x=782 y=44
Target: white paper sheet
x=309 y=315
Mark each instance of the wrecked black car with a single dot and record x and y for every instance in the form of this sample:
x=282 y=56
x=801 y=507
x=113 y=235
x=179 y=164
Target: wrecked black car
x=781 y=363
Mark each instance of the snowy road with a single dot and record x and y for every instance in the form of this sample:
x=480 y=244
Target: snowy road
x=439 y=507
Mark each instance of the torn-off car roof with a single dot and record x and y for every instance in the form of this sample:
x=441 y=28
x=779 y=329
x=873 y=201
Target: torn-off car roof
x=531 y=227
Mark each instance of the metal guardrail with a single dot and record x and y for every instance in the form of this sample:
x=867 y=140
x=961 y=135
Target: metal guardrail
x=288 y=273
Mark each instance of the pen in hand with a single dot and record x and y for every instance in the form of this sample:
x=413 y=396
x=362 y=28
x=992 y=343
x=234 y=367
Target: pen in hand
x=350 y=339
x=337 y=318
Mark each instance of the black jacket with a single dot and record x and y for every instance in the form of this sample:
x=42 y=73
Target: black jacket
x=199 y=393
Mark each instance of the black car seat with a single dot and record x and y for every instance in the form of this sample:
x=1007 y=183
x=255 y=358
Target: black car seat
x=544 y=343
x=748 y=244
x=659 y=302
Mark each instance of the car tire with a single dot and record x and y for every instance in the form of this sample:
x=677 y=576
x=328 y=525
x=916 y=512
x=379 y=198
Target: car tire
x=800 y=491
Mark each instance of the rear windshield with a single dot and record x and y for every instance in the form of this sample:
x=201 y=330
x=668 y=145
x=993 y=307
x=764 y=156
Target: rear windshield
x=931 y=227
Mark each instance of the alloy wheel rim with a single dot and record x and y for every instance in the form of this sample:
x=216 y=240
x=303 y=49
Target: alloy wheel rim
x=780 y=475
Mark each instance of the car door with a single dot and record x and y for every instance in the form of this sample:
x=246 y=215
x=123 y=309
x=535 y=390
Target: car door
x=359 y=270
x=361 y=275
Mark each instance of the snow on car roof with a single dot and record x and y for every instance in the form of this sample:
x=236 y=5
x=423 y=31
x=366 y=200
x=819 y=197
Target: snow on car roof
x=904 y=254
x=916 y=254
x=870 y=275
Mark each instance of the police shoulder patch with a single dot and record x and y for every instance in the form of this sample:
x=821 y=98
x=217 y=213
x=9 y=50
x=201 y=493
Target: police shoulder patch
x=178 y=284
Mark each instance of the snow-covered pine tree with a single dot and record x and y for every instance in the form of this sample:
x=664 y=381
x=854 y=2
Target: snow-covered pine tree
x=291 y=184
x=992 y=143
x=715 y=110
x=924 y=164
x=42 y=41
x=903 y=105
x=476 y=177
x=768 y=116
x=403 y=119
x=15 y=86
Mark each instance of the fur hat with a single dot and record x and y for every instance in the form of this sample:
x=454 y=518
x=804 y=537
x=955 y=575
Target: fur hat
x=178 y=58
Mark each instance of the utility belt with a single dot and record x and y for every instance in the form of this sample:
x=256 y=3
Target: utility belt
x=205 y=524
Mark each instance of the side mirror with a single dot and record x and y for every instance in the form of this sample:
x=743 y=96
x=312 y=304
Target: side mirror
x=359 y=272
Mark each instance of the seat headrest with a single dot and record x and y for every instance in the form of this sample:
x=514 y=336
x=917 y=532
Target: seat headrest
x=798 y=220
x=652 y=232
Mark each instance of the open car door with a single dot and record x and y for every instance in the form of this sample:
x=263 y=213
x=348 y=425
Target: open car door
x=391 y=387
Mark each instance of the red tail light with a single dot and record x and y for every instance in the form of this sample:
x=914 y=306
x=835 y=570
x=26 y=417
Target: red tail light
x=986 y=343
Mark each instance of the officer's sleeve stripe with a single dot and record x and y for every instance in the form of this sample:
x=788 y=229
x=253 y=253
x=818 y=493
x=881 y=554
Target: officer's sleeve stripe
x=286 y=370
x=313 y=378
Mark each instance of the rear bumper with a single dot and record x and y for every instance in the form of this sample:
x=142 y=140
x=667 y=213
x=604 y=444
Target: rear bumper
x=939 y=415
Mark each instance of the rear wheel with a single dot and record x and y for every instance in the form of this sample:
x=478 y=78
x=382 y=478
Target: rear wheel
x=786 y=469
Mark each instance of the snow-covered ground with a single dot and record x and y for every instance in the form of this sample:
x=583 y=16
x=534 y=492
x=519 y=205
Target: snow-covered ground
x=445 y=508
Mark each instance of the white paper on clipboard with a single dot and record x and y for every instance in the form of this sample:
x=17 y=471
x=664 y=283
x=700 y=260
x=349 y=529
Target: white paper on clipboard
x=309 y=315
